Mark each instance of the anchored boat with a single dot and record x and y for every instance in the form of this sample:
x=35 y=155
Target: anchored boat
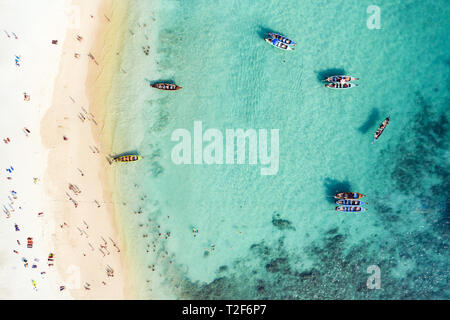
x=166 y=86
x=340 y=79
x=380 y=129
x=349 y=195
x=277 y=43
x=338 y=85
x=350 y=209
x=347 y=202
x=127 y=158
x=281 y=38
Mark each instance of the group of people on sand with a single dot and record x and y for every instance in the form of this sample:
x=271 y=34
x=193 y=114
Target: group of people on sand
x=25 y=260
x=28 y=247
x=13 y=197
x=14 y=35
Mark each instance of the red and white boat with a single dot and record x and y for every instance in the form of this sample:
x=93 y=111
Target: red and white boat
x=338 y=85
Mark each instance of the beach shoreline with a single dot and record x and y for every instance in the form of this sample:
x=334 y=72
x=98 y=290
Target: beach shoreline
x=87 y=246
x=27 y=90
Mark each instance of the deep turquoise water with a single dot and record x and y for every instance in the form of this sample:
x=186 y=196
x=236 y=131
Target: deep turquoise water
x=278 y=237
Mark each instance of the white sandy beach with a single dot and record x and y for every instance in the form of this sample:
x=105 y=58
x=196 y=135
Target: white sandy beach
x=61 y=149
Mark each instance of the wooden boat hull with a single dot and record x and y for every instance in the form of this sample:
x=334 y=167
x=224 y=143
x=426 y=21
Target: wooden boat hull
x=127 y=158
x=349 y=195
x=381 y=129
x=338 y=85
x=348 y=202
x=339 y=78
x=166 y=86
x=278 y=44
x=350 y=209
x=283 y=39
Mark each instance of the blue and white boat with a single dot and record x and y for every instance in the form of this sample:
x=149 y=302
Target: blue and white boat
x=281 y=38
x=348 y=202
x=277 y=43
x=350 y=209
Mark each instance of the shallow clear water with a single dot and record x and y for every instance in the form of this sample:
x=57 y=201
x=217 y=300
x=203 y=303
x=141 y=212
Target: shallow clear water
x=278 y=236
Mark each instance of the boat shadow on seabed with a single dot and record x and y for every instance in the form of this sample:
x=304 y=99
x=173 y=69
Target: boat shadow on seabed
x=333 y=186
x=168 y=81
x=370 y=122
x=263 y=32
x=323 y=74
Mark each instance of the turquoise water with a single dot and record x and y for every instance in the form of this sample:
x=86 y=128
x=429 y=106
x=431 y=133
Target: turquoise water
x=278 y=237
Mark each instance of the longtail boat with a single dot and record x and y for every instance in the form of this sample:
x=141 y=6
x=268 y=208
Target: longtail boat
x=350 y=209
x=340 y=79
x=338 y=85
x=277 y=43
x=349 y=195
x=127 y=158
x=166 y=86
x=380 y=129
x=281 y=38
x=347 y=202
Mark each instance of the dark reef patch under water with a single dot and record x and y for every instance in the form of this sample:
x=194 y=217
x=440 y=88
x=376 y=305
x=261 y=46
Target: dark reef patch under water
x=335 y=275
x=413 y=260
x=282 y=224
x=338 y=273
x=422 y=158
